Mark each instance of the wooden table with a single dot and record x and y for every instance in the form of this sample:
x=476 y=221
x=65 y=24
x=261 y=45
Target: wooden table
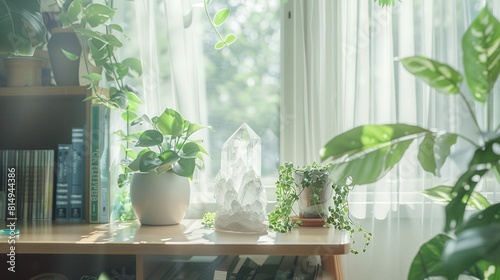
x=189 y=238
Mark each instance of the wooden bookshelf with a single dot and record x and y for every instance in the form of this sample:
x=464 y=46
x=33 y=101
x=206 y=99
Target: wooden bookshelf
x=43 y=91
x=129 y=242
x=41 y=117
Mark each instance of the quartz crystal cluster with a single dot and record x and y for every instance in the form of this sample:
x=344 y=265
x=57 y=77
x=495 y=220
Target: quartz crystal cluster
x=240 y=196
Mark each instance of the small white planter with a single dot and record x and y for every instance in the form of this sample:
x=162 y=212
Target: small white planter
x=159 y=198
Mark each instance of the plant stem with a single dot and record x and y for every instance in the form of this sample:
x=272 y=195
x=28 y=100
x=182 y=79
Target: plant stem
x=469 y=108
x=213 y=24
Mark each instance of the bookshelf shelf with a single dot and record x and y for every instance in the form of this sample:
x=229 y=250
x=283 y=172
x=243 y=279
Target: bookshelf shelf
x=41 y=117
x=126 y=239
x=43 y=91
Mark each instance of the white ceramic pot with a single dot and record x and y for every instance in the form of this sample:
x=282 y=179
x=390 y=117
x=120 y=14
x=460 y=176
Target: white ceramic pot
x=159 y=198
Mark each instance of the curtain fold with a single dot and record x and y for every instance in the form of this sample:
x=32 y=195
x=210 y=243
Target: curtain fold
x=346 y=72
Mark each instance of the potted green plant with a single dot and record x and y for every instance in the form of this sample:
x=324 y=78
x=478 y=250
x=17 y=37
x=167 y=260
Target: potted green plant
x=469 y=244
x=22 y=31
x=311 y=187
x=159 y=188
x=21 y=27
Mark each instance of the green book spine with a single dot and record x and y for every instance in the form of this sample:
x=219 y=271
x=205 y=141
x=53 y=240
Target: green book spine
x=94 y=165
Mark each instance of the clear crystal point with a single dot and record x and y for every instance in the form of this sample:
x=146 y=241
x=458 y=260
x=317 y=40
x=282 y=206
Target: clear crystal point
x=243 y=145
x=240 y=196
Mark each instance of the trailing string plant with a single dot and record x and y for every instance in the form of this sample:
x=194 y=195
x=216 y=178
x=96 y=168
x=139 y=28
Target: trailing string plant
x=313 y=178
x=216 y=21
x=468 y=244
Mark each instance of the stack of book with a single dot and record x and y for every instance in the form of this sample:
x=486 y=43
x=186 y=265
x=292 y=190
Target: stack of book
x=70 y=182
x=72 y=170
x=33 y=171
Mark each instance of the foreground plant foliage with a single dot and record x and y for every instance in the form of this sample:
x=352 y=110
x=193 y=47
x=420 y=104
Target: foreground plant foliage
x=365 y=154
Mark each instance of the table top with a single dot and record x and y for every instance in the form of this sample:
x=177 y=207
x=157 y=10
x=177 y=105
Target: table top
x=187 y=238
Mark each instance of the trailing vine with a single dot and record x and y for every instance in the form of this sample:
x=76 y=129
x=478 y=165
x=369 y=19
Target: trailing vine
x=314 y=176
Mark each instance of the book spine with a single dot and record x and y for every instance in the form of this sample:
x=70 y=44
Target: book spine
x=63 y=182
x=77 y=191
x=50 y=185
x=104 y=188
x=94 y=165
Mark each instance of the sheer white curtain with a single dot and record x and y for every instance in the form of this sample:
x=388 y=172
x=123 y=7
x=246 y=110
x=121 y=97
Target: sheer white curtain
x=164 y=36
x=341 y=70
x=172 y=57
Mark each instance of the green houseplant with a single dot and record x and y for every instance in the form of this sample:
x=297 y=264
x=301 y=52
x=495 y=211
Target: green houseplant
x=159 y=187
x=167 y=146
x=21 y=27
x=22 y=31
x=469 y=244
x=313 y=180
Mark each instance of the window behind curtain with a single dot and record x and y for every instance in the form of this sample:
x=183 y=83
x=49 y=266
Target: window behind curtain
x=238 y=84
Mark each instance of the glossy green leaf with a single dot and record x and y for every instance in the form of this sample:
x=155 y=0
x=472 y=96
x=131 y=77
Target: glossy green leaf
x=221 y=16
x=185 y=167
x=370 y=166
x=171 y=122
x=120 y=70
x=97 y=14
x=363 y=138
x=119 y=99
x=128 y=116
x=365 y=154
x=94 y=78
x=434 y=150
x=427 y=262
x=485 y=270
x=150 y=138
x=496 y=171
x=437 y=75
x=134 y=65
x=230 y=38
x=488 y=216
x=70 y=56
x=470 y=246
x=98 y=51
x=22 y=28
x=74 y=12
x=148 y=161
x=481 y=54
x=141 y=119
x=133 y=97
x=190 y=150
x=116 y=27
x=219 y=45
x=480 y=164
x=169 y=157
x=112 y=40
x=445 y=194
x=135 y=164
x=193 y=127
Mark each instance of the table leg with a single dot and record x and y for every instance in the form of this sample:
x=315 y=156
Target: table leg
x=332 y=267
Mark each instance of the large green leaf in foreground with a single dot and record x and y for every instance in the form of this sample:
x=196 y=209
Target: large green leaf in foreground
x=481 y=54
x=365 y=154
